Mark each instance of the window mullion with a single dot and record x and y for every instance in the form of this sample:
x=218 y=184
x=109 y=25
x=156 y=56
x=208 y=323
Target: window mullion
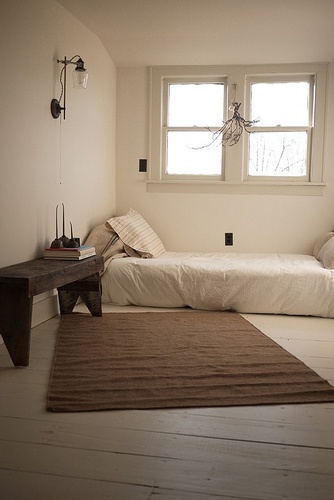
x=255 y=129
x=188 y=129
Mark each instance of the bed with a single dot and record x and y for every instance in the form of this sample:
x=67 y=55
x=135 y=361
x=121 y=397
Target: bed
x=139 y=271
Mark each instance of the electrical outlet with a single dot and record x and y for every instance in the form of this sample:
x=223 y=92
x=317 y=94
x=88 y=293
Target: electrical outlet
x=143 y=165
x=228 y=239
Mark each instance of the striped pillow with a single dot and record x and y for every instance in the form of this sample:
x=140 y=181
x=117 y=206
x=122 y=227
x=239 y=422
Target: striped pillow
x=138 y=237
x=321 y=242
x=326 y=254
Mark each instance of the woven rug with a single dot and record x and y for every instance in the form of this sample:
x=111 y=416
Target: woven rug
x=169 y=360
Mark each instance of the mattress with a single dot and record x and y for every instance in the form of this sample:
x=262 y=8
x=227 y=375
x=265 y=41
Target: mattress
x=291 y=284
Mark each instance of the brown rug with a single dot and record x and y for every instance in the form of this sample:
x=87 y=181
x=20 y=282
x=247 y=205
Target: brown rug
x=169 y=360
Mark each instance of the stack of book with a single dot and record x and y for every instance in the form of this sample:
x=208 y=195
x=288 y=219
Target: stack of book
x=82 y=252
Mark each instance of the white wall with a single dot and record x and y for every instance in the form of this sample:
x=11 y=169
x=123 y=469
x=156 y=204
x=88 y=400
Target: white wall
x=260 y=223
x=43 y=161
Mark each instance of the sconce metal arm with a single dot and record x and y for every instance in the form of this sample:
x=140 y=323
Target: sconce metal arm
x=56 y=107
x=79 y=63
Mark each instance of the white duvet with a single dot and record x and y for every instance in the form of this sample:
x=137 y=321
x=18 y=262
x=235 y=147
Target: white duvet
x=246 y=283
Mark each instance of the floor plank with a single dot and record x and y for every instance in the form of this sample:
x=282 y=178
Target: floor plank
x=259 y=452
x=53 y=487
x=207 y=476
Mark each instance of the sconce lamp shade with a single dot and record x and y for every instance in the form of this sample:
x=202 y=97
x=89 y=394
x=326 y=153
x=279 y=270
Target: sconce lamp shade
x=80 y=75
x=80 y=80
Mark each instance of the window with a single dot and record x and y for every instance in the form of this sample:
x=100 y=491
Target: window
x=191 y=109
x=280 y=142
x=284 y=146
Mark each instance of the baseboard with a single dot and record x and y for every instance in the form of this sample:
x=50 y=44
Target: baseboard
x=45 y=307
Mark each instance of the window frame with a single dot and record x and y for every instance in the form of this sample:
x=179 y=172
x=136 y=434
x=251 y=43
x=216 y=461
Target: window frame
x=165 y=128
x=310 y=79
x=235 y=176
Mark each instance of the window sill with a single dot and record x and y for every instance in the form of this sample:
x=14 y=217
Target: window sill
x=247 y=187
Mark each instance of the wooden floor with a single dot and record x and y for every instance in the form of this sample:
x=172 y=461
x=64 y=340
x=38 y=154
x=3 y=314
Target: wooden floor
x=263 y=452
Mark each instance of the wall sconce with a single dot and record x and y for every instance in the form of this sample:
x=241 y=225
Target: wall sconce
x=80 y=79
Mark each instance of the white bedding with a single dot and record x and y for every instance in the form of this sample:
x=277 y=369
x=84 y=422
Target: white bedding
x=246 y=283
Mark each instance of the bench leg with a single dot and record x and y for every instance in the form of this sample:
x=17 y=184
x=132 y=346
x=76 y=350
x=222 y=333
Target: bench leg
x=88 y=289
x=15 y=323
x=92 y=300
x=67 y=300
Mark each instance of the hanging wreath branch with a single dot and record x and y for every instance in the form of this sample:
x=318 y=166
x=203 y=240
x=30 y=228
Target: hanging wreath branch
x=231 y=131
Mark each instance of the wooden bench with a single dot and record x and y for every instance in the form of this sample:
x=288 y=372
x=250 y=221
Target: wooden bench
x=21 y=282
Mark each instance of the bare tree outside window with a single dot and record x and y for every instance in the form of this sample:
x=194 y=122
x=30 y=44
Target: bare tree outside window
x=278 y=146
x=278 y=154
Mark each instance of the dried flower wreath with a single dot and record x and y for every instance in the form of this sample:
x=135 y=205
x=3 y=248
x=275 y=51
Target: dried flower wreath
x=231 y=131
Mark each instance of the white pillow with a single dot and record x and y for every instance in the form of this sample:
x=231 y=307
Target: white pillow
x=137 y=235
x=326 y=254
x=101 y=237
x=320 y=243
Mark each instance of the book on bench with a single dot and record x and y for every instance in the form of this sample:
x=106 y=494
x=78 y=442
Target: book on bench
x=82 y=252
